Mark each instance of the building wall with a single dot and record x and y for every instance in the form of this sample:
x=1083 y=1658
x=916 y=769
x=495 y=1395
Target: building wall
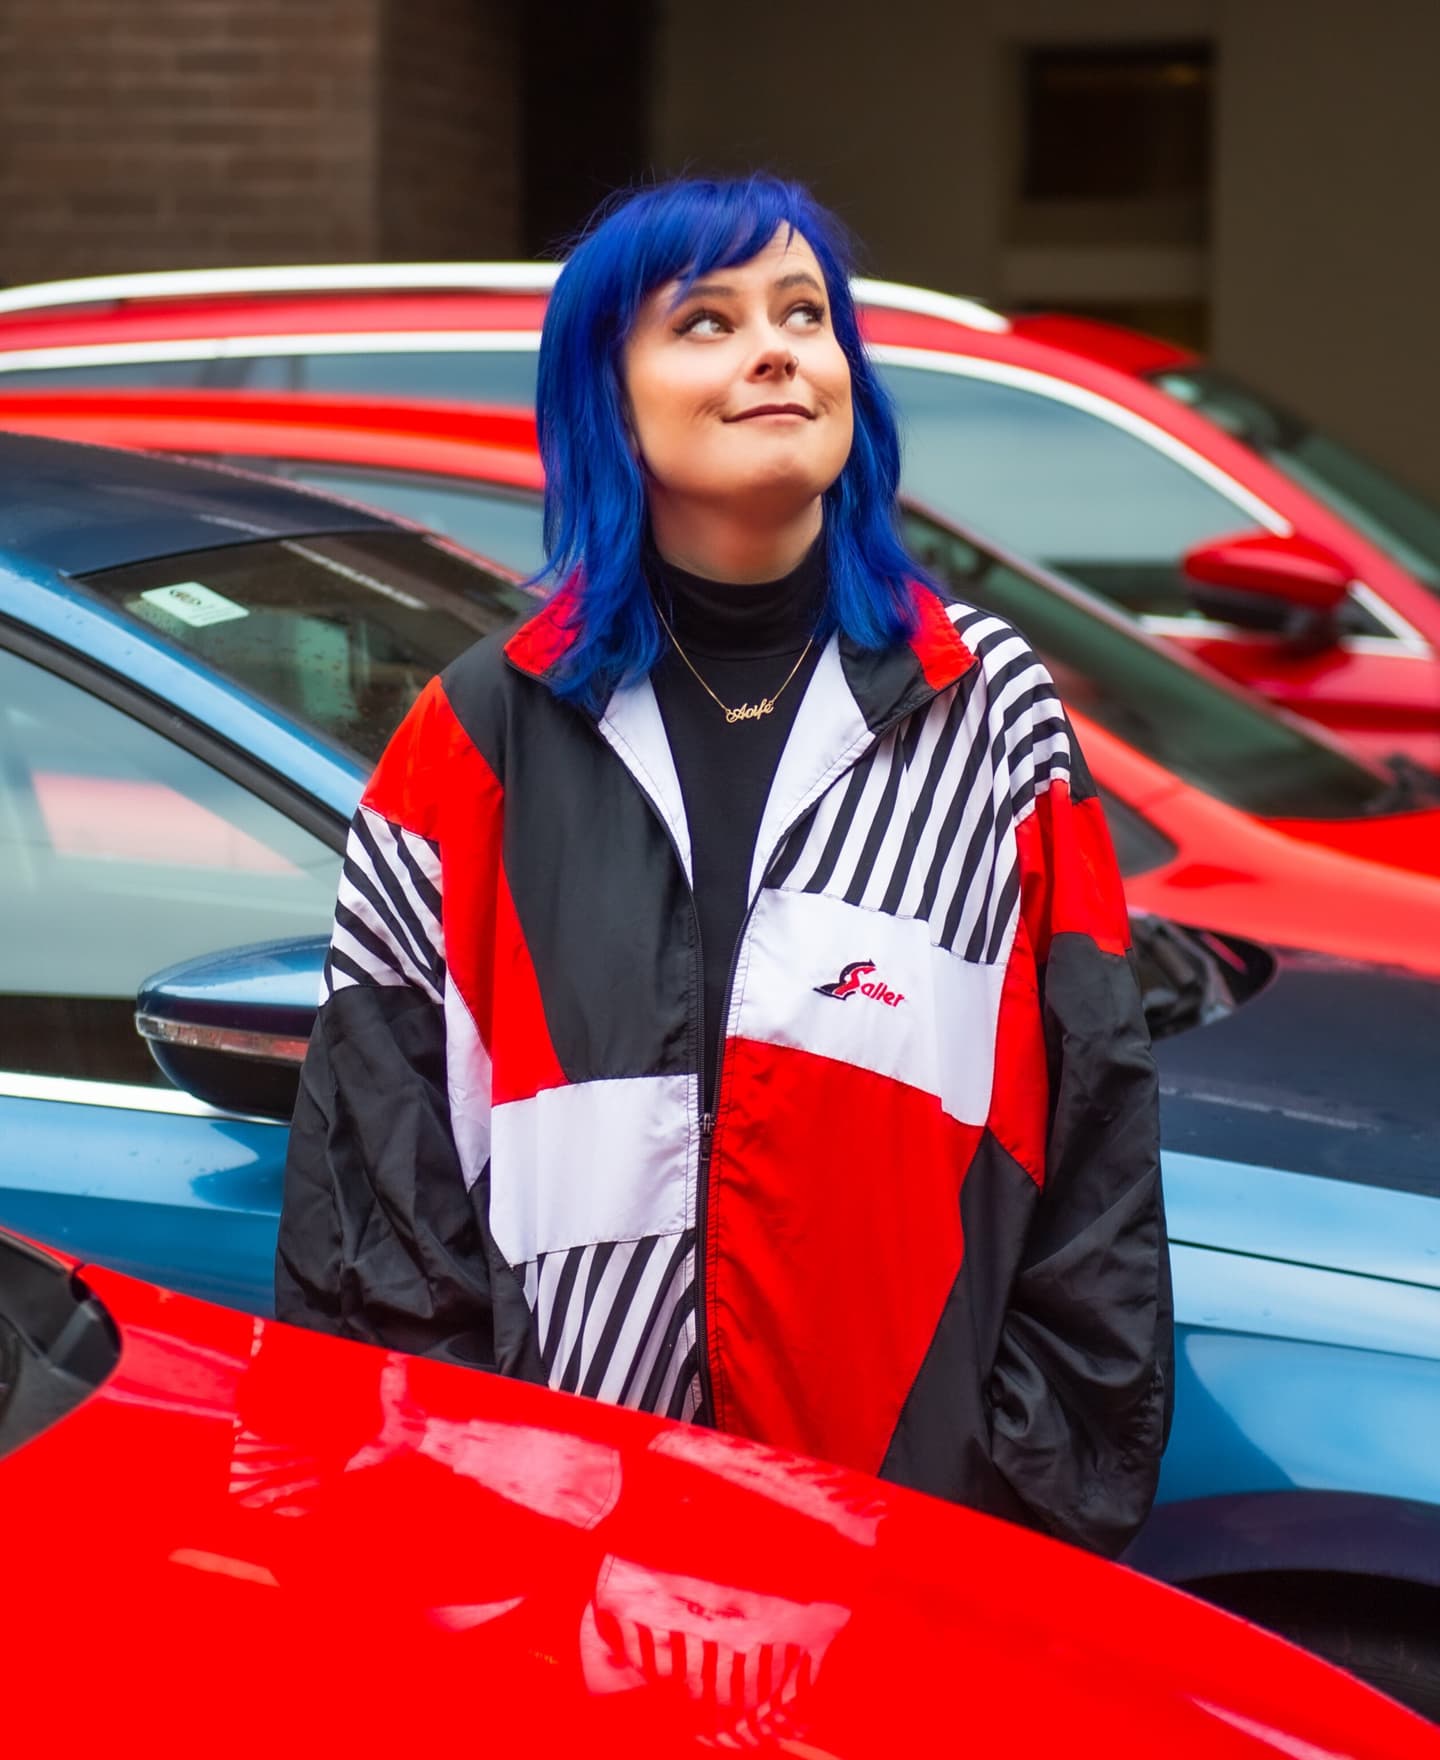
x=448 y=149
x=1322 y=261
x=172 y=133
x=886 y=112
x=901 y=116
x=1326 y=251
x=140 y=134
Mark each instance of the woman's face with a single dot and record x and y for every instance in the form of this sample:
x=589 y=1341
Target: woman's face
x=740 y=394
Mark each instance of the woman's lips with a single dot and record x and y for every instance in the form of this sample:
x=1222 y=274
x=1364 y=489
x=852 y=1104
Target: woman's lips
x=773 y=409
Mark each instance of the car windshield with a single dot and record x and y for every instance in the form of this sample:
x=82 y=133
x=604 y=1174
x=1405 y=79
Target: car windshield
x=1194 y=726
x=1394 y=517
x=504 y=524
x=341 y=633
x=57 y=1343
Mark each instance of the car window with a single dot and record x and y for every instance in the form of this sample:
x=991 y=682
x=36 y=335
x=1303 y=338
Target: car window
x=120 y=853
x=1060 y=484
x=114 y=375
x=57 y=1343
x=503 y=524
x=1139 y=845
x=271 y=372
x=1195 y=726
x=503 y=377
x=1394 y=516
x=341 y=632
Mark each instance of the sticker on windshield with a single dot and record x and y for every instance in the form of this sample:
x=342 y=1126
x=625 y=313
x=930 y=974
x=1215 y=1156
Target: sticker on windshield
x=194 y=604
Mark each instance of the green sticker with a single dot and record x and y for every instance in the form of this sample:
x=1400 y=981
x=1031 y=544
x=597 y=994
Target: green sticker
x=194 y=604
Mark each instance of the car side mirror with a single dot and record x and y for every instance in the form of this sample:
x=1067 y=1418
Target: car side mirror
x=1285 y=584
x=232 y=1028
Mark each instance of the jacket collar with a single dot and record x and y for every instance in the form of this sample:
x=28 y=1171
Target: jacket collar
x=886 y=685
x=852 y=696
x=896 y=681
x=542 y=640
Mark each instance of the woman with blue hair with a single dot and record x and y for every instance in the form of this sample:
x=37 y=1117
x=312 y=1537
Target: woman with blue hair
x=728 y=1012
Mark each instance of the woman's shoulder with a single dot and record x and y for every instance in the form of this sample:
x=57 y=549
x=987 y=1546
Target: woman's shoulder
x=1000 y=647
x=498 y=689
x=1027 y=724
x=480 y=668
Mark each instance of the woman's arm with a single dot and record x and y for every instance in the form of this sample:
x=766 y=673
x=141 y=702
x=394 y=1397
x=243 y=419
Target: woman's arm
x=1082 y=1385
x=379 y=1237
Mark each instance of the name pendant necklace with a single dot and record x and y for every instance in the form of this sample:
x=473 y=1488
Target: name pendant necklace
x=745 y=711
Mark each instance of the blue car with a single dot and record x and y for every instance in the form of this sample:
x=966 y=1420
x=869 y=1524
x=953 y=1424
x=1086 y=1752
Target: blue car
x=197 y=669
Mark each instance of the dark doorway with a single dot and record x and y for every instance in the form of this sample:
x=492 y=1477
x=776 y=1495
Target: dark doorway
x=586 y=127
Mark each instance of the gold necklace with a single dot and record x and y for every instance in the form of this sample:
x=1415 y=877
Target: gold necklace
x=746 y=711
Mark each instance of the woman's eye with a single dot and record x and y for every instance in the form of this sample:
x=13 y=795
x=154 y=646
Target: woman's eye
x=805 y=316
x=702 y=324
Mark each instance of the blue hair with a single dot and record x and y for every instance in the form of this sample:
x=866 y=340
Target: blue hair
x=595 y=516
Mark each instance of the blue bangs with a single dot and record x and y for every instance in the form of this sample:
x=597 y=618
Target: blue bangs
x=595 y=518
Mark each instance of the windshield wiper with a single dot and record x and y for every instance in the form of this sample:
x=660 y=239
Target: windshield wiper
x=1183 y=983
x=1413 y=786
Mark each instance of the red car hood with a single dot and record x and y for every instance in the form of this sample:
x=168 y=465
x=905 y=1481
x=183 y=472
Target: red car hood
x=1399 y=840
x=252 y=1538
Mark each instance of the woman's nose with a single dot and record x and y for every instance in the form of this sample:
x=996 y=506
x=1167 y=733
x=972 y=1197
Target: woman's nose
x=777 y=362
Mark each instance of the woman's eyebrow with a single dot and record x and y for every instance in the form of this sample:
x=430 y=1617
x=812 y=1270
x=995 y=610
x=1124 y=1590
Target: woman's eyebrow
x=706 y=290
x=723 y=290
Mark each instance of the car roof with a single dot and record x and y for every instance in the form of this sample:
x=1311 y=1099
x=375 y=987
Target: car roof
x=467 y=439
x=511 y=296
x=76 y=508
x=393 y=278
x=1112 y=345
x=204 y=313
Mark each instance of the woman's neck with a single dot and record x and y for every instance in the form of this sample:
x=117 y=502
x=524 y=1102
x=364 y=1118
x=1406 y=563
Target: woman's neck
x=721 y=545
x=740 y=619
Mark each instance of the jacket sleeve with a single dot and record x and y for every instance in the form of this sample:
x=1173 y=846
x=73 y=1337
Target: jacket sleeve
x=380 y=1239
x=1082 y=1385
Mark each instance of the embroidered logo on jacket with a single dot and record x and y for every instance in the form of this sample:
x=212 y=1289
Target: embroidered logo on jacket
x=856 y=980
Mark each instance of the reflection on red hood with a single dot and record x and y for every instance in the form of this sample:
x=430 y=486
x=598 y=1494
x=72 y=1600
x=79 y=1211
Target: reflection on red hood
x=258 y=1539
x=1408 y=840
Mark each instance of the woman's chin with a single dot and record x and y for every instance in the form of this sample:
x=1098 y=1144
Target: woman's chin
x=778 y=491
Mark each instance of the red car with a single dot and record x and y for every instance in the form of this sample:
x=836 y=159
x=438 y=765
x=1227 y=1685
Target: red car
x=1226 y=526
x=1206 y=790
x=228 y=1536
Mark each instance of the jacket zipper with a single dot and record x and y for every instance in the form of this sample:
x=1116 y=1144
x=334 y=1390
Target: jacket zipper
x=707 y=1117
x=707 y=1143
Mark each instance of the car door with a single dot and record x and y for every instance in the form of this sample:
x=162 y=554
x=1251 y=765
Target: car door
x=123 y=849
x=1098 y=493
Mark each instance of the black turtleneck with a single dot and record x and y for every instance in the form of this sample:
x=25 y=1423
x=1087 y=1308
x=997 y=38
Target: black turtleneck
x=742 y=640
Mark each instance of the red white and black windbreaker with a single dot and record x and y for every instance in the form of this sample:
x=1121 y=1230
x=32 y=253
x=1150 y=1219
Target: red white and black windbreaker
x=923 y=1233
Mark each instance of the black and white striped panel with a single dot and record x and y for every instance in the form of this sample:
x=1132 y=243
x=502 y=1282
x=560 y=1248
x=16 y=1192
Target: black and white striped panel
x=387 y=917
x=921 y=827
x=617 y=1321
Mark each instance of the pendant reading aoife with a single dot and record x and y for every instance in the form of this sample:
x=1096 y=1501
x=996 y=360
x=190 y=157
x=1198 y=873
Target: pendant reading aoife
x=751 y=711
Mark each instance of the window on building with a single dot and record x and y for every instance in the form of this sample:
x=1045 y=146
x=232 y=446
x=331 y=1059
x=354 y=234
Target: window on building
x=1109 y=209
x=1117 y=123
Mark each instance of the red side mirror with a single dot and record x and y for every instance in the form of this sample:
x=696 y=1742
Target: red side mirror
x=1302 y=573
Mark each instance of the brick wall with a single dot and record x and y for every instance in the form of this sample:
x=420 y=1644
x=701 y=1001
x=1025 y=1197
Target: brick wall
x=449 y=131
x=142 y=134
